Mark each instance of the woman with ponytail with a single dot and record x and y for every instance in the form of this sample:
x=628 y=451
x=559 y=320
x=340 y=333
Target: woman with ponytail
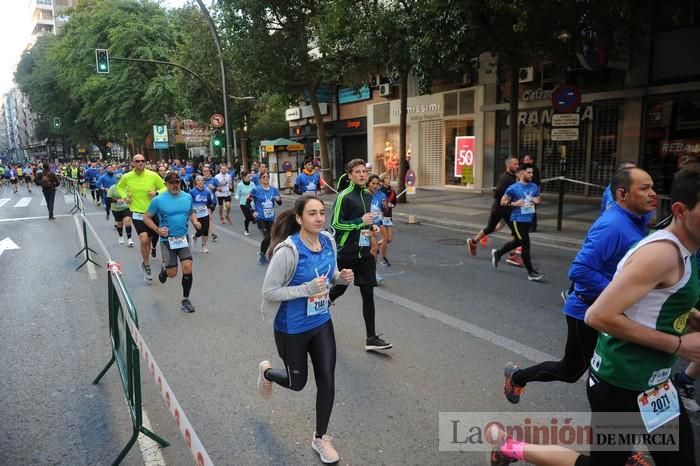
x=302 y=268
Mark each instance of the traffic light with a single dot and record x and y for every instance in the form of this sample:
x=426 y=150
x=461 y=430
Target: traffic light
x=218 y=140
x=56 y=122
x=102 y=61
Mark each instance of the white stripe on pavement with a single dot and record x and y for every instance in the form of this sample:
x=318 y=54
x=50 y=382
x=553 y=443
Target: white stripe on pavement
x=43 y=202
x=43 y=217
x=520 y=349
x=24 y=202
x=4 y=201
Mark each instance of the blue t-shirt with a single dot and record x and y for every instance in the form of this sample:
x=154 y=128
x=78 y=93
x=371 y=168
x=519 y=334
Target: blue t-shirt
x=189 y=169
x=265 y=202
x=518 y=191
x=173 y=212
x=212 y=183
x=378 y=199
x=201 y=198
x=308 y=183
x=291 y=317
x=91 y=175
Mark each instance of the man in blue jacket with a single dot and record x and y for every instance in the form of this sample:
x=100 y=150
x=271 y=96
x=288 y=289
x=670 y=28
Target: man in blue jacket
x=105 y=182
x=607 y=241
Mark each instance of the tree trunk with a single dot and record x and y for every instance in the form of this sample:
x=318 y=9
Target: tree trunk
x=513 y=109
x=321 y=132
x=402 y=136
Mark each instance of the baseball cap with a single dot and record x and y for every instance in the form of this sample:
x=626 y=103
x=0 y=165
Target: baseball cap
x=172 y=176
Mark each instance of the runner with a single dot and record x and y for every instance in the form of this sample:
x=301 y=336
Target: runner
x=92 y=174
x=302 y=267
x=14 y=178
x=104 y=182
x=607 y=241
x=120 y=211
x=211 y=184
x=641 y=316
x=174 y=208
x=522 y=197
x=28 y=177
x=202 y=201
x=137 y=188
x=376 y=207
x=352 y=221
x=242 y=191
x=223 y=194
x=308 y=181
x=264 y=197
x=387 y=219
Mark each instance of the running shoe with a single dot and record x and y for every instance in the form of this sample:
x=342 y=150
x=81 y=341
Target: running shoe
x=379 y=278
x=325 y=450
x=162 y=276
x=687 y=393
x=484 y=241
x=187 y=306
x=511 y=390
x=376 y=344
x=535 y=276
x=246 y=233
x=205 y=251
x=386 y=262
x=514 y=260
x=264 y=385
x=495 y=257
x=214 y=236
x=121 y=240
x=471 y=245
x=130 y=243
x=146 y=272
x=262 y=260
x=107 y=216
x=498 y=456
x=153 y=252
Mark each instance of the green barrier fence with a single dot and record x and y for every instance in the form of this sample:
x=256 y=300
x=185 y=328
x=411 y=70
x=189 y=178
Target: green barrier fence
x=125 y=353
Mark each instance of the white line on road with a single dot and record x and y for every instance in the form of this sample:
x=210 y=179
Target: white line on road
x=4 y=201
x=43 y=202
x=24 y=202
x=42 y=217
x=520 y=349
x=150 y=450
x=92 y=272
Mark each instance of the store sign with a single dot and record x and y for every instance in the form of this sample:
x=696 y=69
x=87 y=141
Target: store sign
x=542 y=117
x=417 y=109
x=537 y=94
x=465 y=158
x=347 y=95
x=160 y=137
x=565 y=119
x=564 y=134
x=686 y=150
x=298 y=113
x=293 y=113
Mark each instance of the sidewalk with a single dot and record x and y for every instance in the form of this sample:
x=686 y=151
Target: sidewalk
x=469 y=212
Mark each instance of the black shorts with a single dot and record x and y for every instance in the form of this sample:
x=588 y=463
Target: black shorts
x=141 y=227
x=13 y=180
x=223 y=199
x=170 y=256
x=365 y=269
x=204 y=231
x=27 y=178
x=120 y=214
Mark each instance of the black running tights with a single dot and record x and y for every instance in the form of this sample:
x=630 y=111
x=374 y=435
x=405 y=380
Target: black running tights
x=247 y=215
x=265 y=226
x=521 y=230
x=319 y=343
x=580 y=343
x=368 y=310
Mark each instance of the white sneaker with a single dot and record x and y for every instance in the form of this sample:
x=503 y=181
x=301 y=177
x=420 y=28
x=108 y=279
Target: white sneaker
x=130 y=243
x=246 y=233
x=121 y=240
x=205 y=251
x=324 y=448
x=264 y=385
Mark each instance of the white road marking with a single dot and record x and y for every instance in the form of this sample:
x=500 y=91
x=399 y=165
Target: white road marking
x=24 y=202
x=92 y=272
x=150 y=450
x=520 y=349
x=451 y=265
x=4 y=201
x=7 y=245
x=43 y=202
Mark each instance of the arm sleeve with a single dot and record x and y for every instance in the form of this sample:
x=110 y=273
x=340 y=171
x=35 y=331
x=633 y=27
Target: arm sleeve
x=121 y=186
x=338 y=220
x=274 y=288
x=598 y=248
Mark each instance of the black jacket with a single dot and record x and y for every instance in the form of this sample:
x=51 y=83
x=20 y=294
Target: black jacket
x=506 y=179
x=351 y=204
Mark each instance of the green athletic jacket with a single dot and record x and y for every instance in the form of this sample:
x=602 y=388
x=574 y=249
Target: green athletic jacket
x=351 y=204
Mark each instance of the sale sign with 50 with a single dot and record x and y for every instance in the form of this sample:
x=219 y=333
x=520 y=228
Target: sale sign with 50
x=465 y=153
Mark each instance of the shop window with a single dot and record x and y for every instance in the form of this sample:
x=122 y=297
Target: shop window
x=381 y=114
x=453 y=129
x=466 y=102
x=450 y=103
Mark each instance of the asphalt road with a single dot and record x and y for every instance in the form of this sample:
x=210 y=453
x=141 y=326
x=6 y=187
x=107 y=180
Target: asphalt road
x=453 y=319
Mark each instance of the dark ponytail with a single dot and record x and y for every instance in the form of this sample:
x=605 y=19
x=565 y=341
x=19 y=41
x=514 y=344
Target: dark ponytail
x=286 y=223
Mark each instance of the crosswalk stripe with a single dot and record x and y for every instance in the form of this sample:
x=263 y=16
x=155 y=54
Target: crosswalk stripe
x=4 y=201
x=43 y=202
x=24 y=202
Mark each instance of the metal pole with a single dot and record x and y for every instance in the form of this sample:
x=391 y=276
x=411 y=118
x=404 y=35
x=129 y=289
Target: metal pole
x=215 y=35
x=235 y=145
x=562 y=173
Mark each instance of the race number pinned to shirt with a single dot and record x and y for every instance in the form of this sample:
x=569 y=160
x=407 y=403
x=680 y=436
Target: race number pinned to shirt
x=319 y=303
x=311 y=187
x=137 y=216
x=177 y=242
x=659 y=406
x=268 y=208
x=365 y=235
x=201 y=211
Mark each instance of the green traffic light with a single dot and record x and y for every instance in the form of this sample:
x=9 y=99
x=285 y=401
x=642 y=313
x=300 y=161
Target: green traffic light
x=217 y=143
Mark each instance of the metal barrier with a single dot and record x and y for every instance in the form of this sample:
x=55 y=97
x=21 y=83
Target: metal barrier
x=71 y=185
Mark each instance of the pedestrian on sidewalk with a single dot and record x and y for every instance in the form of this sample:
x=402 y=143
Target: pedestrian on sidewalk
x=352 y=222
x=302 y=267
x=49 y=183
x=499 y=214
x=521 y=197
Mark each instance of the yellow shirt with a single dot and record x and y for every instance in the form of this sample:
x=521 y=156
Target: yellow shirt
x=137 y=186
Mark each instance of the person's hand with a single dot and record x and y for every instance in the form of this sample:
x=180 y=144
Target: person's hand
x=694 y=320
x=163 y=231
x=347 y=275
x=536 y=200
x=127 y=199
x=316 y=286
x=375 y=228
x=277 y=198
x=255 y=215
x=152 y=194
x=368 y=218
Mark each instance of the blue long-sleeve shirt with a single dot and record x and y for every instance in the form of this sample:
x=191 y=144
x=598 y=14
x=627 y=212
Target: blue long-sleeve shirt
x=106 y=181
x=608 y=200
x=607 y=241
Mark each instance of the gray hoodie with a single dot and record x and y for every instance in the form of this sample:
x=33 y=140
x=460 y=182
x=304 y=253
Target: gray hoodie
x=282 y=267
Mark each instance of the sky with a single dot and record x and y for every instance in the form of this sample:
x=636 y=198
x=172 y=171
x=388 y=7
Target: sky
x=15 y=30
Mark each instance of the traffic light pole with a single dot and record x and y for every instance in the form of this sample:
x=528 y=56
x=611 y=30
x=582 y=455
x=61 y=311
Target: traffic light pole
x=215 y=35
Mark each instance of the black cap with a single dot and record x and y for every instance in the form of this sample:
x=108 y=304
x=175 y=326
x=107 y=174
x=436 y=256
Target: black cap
x=172 y=176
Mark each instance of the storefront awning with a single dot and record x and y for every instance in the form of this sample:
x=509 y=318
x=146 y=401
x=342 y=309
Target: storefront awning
x=281 y=144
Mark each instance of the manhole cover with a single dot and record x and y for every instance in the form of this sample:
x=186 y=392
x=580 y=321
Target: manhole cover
x=451 y=241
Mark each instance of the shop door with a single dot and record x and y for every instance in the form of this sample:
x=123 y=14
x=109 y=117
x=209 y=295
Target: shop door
x=431 y=160
x=354 y=147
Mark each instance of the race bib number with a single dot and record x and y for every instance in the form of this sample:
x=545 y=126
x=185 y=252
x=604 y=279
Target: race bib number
x=311 y=187
x=659 y=406
x=268 y=209
x=317 y=304
x=201 y=211
x=137 y=216
x=177 y=242
x=528 y=208
x=365 y=235
x=387 y=221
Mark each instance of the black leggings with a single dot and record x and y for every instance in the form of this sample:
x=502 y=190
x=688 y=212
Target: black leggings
x=497 y=214
x=247 y=215
x=606 y=398
x=521 y=231
x=368 y=310
x=265 y=227
x=204 y=231
x=580 y=343
x=319 y=343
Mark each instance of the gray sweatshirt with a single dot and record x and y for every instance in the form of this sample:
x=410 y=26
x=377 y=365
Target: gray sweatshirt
x=282 y=267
